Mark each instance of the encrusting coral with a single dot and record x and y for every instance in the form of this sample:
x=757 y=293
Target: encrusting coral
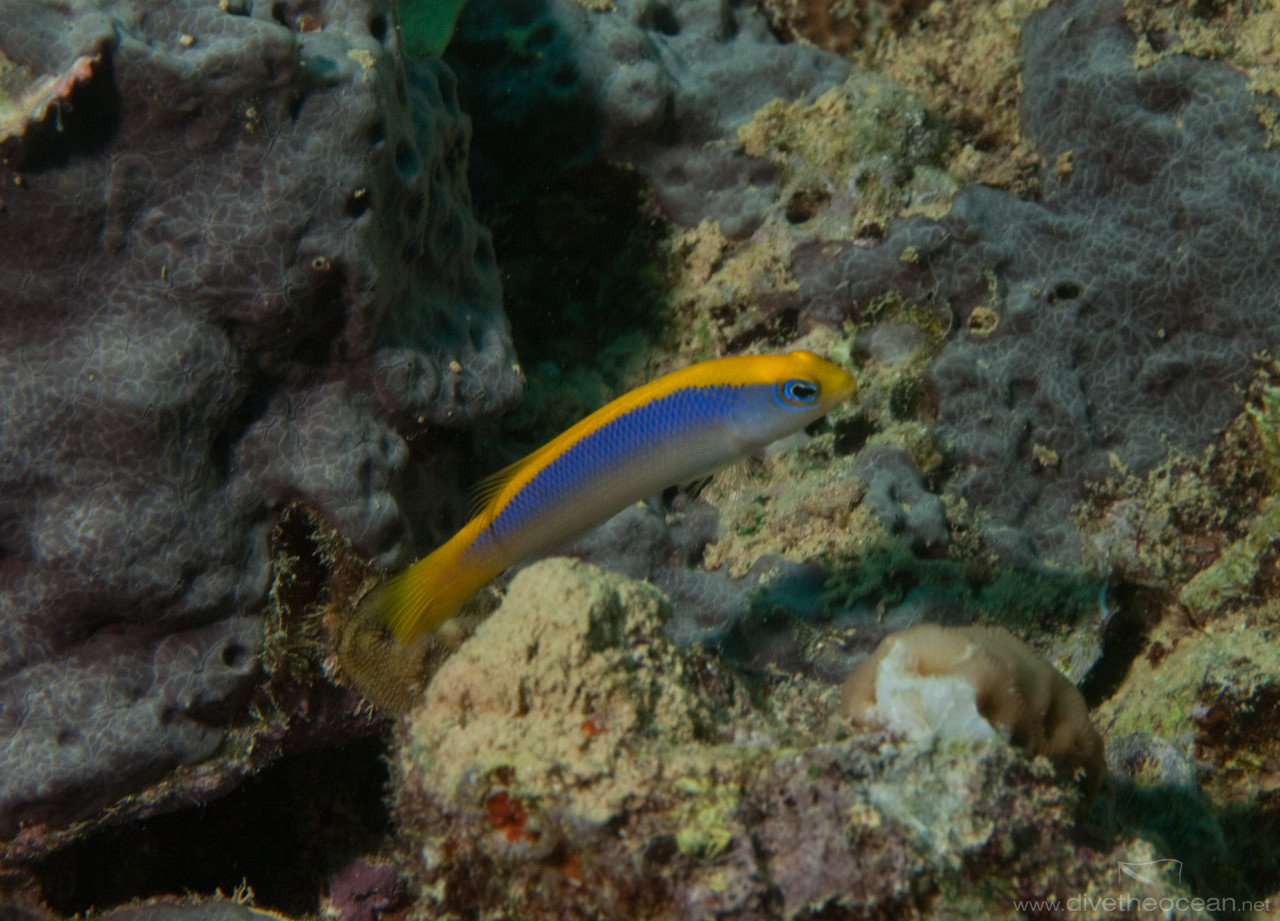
x=569 y=760
x=240 y=268
x=1107 y=320
x=963 y=681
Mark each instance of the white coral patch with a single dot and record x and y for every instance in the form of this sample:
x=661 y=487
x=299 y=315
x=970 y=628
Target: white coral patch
x=923 y=707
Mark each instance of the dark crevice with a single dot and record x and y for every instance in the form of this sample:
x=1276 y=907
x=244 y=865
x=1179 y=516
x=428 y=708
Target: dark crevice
x=1123 y=639
x=284 y=833
x=81 y=125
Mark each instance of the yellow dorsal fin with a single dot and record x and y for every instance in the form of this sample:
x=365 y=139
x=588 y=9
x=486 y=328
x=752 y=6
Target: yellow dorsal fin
x=484 y=492
x=489 y=488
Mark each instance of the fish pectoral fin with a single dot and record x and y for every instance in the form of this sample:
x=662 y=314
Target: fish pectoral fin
x=736 y=475
x=694 y=488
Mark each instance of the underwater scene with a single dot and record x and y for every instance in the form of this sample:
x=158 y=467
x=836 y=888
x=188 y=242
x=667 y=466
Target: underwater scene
x=707 y=460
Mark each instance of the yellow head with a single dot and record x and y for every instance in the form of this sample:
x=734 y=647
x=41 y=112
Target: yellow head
x=783 y=393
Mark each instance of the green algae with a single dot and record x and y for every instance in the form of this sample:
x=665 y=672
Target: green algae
x=1231 y=577
x=891 y=573
x=426 y=26
x=1266 y=421
x=705 y=819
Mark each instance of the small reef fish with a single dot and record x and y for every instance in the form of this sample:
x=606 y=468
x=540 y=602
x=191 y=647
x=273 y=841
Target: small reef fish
x=680 y=427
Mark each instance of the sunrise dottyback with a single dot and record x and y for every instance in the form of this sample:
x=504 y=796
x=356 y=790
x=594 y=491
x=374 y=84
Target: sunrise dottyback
x=677 y=428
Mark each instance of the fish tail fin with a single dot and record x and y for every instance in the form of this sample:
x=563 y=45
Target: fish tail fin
x=430 y=591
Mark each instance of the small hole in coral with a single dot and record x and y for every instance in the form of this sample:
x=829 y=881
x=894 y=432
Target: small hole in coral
x=1065 y=291
x=542 y=35
x=661 y=849
x=407 y=162
x=661 y=18
x=564 y=76
x=851 y=434
x=235 y=655
x=357 y=203
x=413 y=207
x=869 y=234
x=805 y=203
x=378 y=27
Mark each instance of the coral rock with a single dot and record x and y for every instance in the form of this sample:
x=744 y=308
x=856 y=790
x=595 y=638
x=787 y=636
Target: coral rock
x=1110 y=321
x=569 y=761
x=661 y=85
x=961 y=682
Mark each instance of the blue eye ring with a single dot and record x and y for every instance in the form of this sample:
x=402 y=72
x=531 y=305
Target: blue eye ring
x=797 y=393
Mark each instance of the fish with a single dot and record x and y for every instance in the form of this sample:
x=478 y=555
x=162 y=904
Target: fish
x=676 y=429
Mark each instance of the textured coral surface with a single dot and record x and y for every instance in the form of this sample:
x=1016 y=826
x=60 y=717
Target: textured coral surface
x=613 y=775
x=1115 y=318
x=660 y=85
x=237 y=255
x=1042 y=363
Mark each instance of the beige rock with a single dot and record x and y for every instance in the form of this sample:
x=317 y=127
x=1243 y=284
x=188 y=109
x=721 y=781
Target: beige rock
x=562 y=684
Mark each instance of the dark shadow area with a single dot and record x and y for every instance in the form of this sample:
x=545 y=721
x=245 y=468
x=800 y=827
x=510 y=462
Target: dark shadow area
x=578 y=268
x=1252 y=831
x=1124 y=637
x=576 y=237
x=283 y=833
x=78 y=125
x=1227 y=856
x=532 y=113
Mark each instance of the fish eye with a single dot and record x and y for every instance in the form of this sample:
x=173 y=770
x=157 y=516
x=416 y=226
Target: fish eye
x=798 y=393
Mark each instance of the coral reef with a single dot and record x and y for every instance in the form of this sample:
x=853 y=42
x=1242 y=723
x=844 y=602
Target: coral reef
x=1212 y=694
x=964 y=60
x=842 y=27
x=968 y=682
x=239 y=267
x=613 y=775
x=1183 y=690
x=162 y=909
x=1191 y=736
x=113 y=715
x=865 y=150
x=1108 y=323
x=661 y=86
x=597 y=747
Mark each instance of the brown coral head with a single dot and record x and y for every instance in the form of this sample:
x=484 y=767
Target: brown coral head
x=932 y=681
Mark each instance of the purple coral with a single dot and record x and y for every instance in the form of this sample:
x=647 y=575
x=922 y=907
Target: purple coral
x=239 y=264
x=661 y=85
x=1128 y=302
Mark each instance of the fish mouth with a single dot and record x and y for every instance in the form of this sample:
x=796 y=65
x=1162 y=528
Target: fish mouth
x=845 y=391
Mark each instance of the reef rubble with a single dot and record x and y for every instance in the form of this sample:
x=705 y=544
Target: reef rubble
x=614 y=774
